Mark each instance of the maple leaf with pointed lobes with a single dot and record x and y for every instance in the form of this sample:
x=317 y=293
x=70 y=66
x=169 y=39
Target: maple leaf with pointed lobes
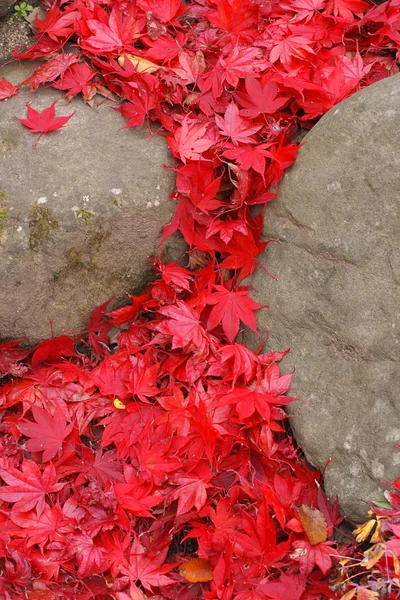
x=91 y=558
x=229 y=308
x=251 y=157
x=53 y=68
x=305 y=9
x=309 y=555
x=7 y=89
x=293 y=46
x=259 y=99
x=54 y=349
x=184 y=326
x=235 y=127
x=189 y=142
x=226 y=229
x=42 y=528
x=174 y=275
x=243 y=252
x=289 y=586
x=237 y=17
x=118 y=35
x=43 y=122
x=345 y=8
x=75 y=80
x=29 y=488
x=47 y=433
x=165 y=11
x=10 y=357
x=147 y=567
x=57 y=24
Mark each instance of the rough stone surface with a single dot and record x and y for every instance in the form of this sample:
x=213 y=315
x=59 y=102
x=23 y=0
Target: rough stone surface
x=336 y=303
x=79 y=215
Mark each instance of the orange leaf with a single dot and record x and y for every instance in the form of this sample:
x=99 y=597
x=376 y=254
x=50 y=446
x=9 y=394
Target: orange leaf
x=196 y=570
x=314 y=524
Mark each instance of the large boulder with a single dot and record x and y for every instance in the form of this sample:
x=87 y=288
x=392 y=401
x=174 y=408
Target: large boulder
x=79 y=215
x=336 y=222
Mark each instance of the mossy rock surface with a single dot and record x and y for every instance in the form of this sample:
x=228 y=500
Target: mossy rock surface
x=79 y=215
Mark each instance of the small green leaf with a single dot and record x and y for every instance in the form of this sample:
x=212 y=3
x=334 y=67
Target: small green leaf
x=383 y=504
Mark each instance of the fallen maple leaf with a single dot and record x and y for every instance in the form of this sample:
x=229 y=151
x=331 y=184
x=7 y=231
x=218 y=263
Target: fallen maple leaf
x=259 y=100
x=231 y=307
x=10 y=357
x=28 y=489
x=7 y=89
x=43 y=122
x=183 y=325
x=47 y=433
x=189 y=142
x=235 y=127
x=54 y=349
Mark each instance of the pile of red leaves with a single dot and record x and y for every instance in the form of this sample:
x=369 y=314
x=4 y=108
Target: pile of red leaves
x=152 y=460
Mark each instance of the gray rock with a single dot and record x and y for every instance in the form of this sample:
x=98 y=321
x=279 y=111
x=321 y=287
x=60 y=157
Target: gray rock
x=4 y=6
x=79 y=215
x=336 y=222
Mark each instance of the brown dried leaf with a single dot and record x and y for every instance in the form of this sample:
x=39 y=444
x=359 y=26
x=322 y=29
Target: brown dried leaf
x=372 y=556
x=196 y=570
x=314 y=524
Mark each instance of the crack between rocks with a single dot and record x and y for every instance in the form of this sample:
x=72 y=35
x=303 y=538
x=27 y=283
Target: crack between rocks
x=397 y=282
x=322 y=255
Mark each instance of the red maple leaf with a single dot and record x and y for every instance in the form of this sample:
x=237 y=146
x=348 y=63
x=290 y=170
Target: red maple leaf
x=28 y=489
x=75 y=80
x=309 y=555
x=57 y=24
x=184 y=326
x=226 y=229
x=346 y=8
x=91 y=558
x=293 y=46
x=289 y=586
x=10 y=357
x=165 y=11
x=235 y=127
x=147 y=567
x=54 y=349
x=243 y=252
x=47 y=434
x=7 y=89
x=251 y=157
x=53 y=68
x=43 y=122
x=190 y=142
x=237 y=17
x=42 y=528
x=231 y=307
x=259 y=99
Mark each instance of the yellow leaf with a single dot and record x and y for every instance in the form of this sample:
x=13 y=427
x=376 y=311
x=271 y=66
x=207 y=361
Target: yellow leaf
x=349 y=595
x=196 y=570
x=363 y=531
x=314 y=524
x=118 y=404
x=141 y=64
x=372 y=556
x=377 y=537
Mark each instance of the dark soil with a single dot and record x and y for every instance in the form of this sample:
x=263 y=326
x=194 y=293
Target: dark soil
x=15 y=32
